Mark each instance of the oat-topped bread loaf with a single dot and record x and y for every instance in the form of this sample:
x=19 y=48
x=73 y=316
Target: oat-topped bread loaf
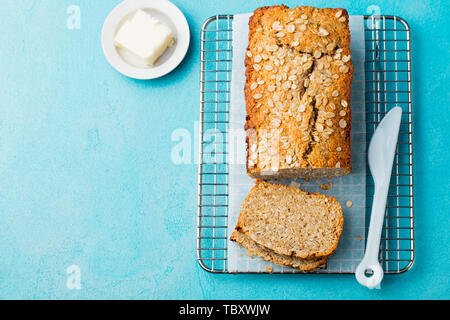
x=290 y=221
x=297 y=93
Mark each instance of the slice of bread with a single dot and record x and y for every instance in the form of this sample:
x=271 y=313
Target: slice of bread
x=279 y=259
x=290 y=221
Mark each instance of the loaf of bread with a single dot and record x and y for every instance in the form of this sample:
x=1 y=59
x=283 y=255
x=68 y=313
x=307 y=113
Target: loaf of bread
x=297 y=93
x=290 y=222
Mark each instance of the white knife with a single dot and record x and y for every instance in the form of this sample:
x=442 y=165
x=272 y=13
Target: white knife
x=382 y=147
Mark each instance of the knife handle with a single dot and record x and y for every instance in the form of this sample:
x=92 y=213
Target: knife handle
x=370 y=262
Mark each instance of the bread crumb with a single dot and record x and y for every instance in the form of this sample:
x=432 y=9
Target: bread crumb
x=269 y=268
x=349 y=203
x=326 y=187
x=359 y=237
x=294 y=184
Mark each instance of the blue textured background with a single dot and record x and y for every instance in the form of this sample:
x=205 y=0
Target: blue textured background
x=86 y=176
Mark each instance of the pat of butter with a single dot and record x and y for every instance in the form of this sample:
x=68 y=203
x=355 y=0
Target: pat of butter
x=144 y=37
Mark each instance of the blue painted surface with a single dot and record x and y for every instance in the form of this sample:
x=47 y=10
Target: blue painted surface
x=87 y=178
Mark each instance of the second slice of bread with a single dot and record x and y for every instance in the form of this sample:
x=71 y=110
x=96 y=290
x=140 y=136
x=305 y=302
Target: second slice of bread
x=290 y=221
x=279 y=259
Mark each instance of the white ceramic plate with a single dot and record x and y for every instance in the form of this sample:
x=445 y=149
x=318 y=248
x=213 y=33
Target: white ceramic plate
x=168 y=14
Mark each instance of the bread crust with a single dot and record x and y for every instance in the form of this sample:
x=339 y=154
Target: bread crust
x=312 y=111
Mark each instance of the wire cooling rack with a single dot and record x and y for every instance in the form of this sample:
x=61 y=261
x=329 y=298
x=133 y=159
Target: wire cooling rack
x=388 y=84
